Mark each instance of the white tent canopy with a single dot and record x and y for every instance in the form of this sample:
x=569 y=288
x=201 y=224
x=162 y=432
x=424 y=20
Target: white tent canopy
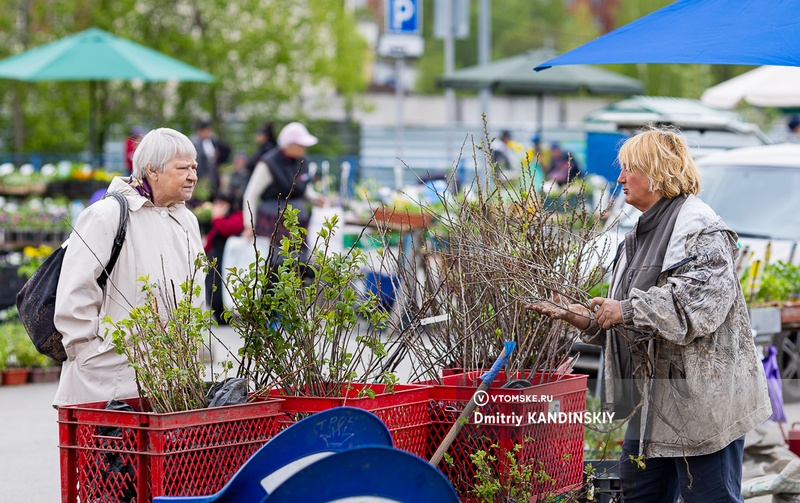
x=766 y=86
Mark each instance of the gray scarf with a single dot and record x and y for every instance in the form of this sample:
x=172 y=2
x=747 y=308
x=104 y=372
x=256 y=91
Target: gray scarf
x=645 y=248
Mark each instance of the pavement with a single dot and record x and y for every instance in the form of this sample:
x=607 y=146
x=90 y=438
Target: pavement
x=29 y=463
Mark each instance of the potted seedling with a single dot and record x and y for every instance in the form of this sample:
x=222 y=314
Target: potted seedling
x=168 y=440
x=18 y=351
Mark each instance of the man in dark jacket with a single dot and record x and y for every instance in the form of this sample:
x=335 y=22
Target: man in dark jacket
x=211 y=154
x=265 y=139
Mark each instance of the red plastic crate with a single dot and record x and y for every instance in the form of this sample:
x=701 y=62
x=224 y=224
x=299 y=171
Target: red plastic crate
x=174 y=454
x=556 y=448
x=404 y=411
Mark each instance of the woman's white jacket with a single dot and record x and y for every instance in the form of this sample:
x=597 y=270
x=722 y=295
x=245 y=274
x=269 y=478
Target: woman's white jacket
x=161 y=242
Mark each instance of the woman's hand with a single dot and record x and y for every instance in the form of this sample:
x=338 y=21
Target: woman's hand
x=607 y=312
x=558 y=308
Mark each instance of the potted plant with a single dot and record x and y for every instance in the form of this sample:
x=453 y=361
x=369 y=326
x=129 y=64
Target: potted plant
x=18 y=353
x=501 y=245
x=313 y=339
x=298 y=317
x=164 y=345
x=10 y=279
x=35 y=221
x=168 y=440
x=44 y=369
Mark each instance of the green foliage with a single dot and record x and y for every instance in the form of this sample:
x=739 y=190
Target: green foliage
x=17 y=349
x=516 y=482
x=778 y=282
x=163 y=345
x=599 y=290
x=303 y=323
x=516 y=26
x=32 y=258
x=638 y=461
x=262 y=52
x=605 y=443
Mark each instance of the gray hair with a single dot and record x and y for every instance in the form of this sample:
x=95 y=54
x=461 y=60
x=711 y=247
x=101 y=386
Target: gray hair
x=158 y=147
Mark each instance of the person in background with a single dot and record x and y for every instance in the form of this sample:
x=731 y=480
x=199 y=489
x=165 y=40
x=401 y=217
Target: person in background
x=238 y=178
x=226 y=221
x=163 y=240
x=131 y=142
x=563 y=167
x=500 y=154
x=211 y=154
x=265 y=141
x=679 y=356
x=506 y=156
x=539 y=153
x=280 y=178
x=793 y=136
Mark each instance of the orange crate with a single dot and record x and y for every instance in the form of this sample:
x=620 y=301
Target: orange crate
x=555 y=448
x=109 y=455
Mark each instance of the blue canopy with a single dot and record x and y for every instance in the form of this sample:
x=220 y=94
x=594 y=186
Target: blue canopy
x=722 y=32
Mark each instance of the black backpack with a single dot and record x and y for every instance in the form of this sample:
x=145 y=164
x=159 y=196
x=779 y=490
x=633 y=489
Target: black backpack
x=36 y=301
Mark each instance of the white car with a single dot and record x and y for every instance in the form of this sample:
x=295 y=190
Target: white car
x=756 y=191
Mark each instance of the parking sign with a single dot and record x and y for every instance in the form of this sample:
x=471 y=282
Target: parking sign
x=403 y=16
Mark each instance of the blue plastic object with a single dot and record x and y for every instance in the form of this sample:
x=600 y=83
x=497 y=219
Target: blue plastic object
x=381 y=285
x=315 y=437
x=489 y=376
x=722 y=32
x=378 y=472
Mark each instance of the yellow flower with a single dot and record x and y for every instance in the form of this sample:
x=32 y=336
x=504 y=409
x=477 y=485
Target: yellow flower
x=32 y=252
x=515 y=146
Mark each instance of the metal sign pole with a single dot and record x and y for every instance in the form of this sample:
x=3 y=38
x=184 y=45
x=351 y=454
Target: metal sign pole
x=401 y=40
x=399 y=123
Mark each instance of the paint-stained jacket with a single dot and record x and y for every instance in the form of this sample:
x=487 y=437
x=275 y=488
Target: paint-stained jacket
x=161 y=242
x=707 y=387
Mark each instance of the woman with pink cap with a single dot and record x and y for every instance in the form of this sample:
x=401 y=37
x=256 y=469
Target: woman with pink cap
x=280 y=178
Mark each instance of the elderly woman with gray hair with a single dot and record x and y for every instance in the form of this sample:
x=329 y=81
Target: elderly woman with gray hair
x=163 y=240
x=679 y=355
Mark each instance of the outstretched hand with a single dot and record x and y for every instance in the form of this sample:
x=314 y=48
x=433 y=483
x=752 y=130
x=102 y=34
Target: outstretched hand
x=558 y=308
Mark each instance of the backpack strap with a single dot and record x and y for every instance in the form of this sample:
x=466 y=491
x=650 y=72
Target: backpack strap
x=119 y=239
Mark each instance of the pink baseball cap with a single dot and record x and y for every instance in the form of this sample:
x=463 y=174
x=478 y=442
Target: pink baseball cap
x=295 y=133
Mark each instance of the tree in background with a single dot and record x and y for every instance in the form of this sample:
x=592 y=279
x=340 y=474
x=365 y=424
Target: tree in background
x=265 y=55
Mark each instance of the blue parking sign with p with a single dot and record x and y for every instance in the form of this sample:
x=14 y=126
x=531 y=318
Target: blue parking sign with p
x=403 y=16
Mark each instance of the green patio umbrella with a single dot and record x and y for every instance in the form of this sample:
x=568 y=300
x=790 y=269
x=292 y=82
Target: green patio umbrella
x=515 y=75
x=95 y=55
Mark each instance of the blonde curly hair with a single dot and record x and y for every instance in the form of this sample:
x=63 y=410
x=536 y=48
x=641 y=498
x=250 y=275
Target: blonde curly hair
x=661 y=154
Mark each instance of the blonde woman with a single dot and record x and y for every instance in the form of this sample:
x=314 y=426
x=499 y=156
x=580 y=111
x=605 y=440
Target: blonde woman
x=679 y=355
